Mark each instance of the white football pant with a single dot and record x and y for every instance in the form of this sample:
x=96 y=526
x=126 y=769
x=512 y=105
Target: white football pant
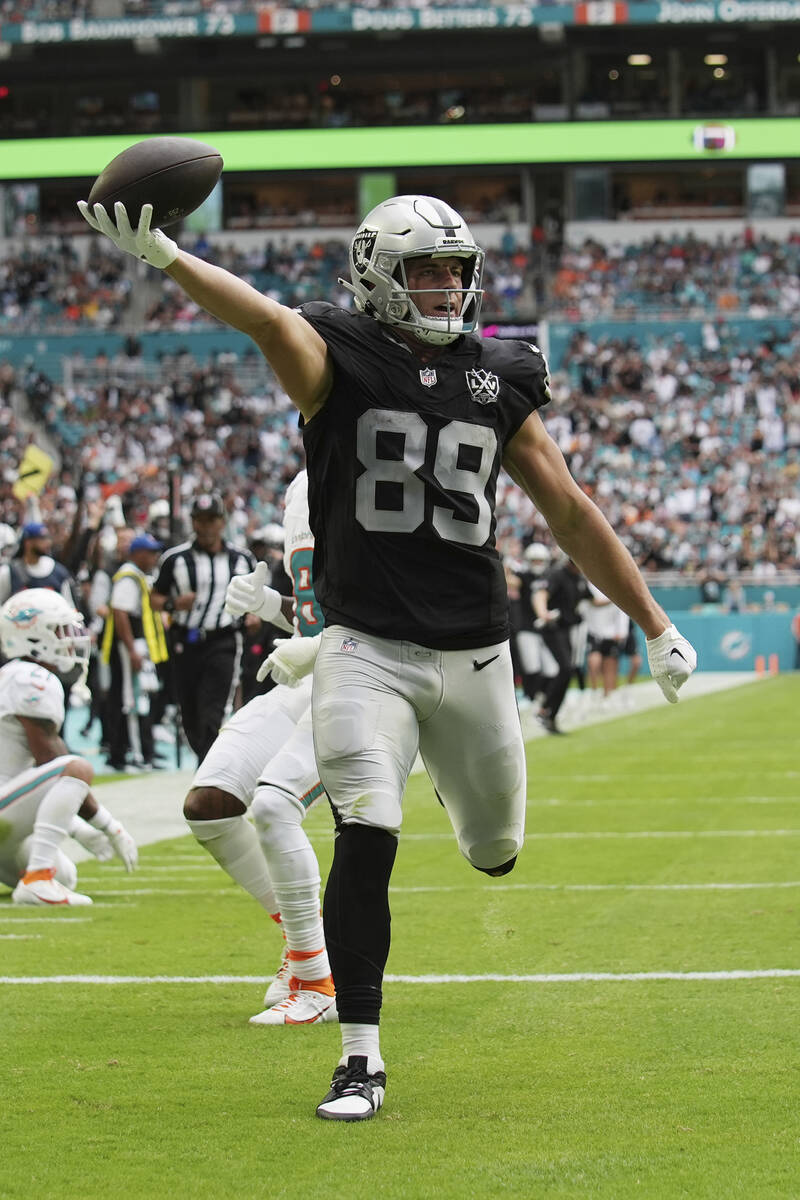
x=20 y=798
x=376 y=702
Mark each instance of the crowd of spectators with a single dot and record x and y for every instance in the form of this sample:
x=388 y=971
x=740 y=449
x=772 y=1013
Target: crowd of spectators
x=295 y=272
x=692 y=452
x=49 y=288
x=749 y=275
x=694 y=455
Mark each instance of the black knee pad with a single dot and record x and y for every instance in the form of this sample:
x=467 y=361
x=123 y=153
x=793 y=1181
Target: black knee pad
x=496 y=872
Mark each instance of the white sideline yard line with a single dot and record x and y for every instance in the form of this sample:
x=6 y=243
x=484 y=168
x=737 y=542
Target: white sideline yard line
x=607 y=887
x=537 y=801
x=96 y=904
x=19 y=937
x=571 y=977
x=46 y=916
x=231 y=890
x=148 y=866
x=578 y=835
x=499 y=887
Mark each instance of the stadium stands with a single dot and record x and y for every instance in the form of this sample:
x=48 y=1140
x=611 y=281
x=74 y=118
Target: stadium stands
x=690 y=445
x=750 y=275
x=52 y=289
x=49 y=287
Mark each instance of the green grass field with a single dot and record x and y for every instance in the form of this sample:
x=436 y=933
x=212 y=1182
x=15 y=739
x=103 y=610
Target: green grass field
x=662 y=843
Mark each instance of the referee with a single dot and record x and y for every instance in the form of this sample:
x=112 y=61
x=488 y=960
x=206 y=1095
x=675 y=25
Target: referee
x=205 y=641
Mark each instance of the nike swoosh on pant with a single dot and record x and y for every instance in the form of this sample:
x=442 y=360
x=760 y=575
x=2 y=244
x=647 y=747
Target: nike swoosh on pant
x=479 y=666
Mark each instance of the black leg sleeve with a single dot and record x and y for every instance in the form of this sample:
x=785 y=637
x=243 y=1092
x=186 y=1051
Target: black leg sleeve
x=357 y=919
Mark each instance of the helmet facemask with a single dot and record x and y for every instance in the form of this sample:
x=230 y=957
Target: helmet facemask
x=41 y=625
x=403 y=229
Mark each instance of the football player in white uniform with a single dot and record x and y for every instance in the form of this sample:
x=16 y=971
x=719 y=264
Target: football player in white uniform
x=263 y=760
x=44 y=790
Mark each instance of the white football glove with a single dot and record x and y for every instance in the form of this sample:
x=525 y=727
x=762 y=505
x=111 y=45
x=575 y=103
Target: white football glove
x=291 y=660
x=671 y=660
x=250 y=594
x=124 y=845
x=151 y=245
x=93 y=840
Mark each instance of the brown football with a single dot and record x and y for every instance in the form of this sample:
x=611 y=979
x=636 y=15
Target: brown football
x=174 y=174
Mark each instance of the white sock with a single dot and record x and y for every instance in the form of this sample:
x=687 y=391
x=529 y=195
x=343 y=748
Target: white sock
x=362 y=1039
x=294 y=871
x=233 y=842
x=53 y=818
x=302 y=928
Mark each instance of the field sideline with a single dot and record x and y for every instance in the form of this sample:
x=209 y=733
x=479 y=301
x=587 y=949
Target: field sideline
x=617 y=1018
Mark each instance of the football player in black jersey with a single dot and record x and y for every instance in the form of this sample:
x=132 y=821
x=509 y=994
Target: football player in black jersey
x=408 y=415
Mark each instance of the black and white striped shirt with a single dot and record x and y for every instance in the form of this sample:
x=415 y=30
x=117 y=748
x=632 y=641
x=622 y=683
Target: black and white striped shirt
x=187 y=568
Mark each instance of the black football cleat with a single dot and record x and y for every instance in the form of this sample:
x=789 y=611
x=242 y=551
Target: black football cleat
x=355 y=1095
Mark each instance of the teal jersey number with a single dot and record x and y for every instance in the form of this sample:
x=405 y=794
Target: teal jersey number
x=310 y=620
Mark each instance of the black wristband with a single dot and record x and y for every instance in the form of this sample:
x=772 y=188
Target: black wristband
x=169 y=605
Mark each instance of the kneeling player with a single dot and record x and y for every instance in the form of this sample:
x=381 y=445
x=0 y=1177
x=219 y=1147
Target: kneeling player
x=44 y=790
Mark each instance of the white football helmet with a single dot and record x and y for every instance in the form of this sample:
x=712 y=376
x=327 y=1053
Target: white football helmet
x=538 y=556
x=39 y=623
x=411 y=227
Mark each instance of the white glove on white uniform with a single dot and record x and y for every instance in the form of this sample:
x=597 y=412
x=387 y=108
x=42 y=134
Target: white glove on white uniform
x=93 y=840
x=250 y=594
x=124 y=845
x=671 y=660
x=151 y=245
x=291 y=660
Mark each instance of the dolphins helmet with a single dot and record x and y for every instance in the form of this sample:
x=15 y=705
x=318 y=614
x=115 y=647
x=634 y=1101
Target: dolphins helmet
x=39 y=623
x=413 y=227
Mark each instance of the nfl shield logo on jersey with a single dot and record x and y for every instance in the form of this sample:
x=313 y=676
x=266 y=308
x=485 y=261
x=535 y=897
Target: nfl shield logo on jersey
x=484 y=386
x=427 y=377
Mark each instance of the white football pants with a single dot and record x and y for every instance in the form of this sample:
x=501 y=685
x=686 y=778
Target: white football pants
x=271 y=731
x=20 y=798
x=376 y=702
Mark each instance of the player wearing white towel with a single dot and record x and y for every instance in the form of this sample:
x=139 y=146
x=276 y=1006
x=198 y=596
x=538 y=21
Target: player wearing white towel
x=264 y=757
x=44 y=790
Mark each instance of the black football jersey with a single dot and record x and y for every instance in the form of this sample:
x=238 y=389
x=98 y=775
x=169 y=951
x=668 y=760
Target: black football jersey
x=565 y=590
x=402 y=464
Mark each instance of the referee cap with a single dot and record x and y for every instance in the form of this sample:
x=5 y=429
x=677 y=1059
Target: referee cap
x=209 y=505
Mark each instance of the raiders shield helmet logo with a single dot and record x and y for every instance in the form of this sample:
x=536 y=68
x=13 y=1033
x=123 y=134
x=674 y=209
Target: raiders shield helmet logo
x=363 y=245
x=484 y=386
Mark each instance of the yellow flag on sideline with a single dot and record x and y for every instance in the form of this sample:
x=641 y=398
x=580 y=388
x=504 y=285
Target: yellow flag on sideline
x=34 y=471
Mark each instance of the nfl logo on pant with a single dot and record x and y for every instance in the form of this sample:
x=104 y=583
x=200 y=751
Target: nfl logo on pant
x=349 y=645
